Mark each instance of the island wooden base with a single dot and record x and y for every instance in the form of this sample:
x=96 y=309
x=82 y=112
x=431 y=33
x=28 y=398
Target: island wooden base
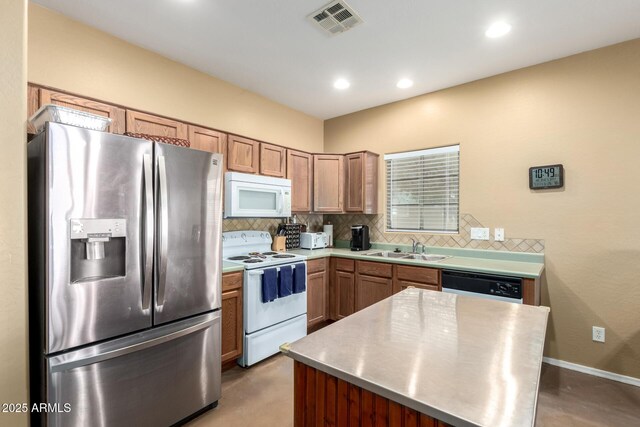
x=324 y=400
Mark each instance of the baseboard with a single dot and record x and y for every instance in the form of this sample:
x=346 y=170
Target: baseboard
x=593 y=371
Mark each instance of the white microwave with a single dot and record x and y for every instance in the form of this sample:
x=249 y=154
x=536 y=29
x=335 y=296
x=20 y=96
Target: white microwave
x=256 y=196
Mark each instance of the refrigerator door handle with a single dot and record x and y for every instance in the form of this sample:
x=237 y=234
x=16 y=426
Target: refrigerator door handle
x=164 y=230
x=75 y=362
x=148 y=232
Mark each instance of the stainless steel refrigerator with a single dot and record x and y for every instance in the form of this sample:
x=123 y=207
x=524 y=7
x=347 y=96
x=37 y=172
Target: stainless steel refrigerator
x=125 y=279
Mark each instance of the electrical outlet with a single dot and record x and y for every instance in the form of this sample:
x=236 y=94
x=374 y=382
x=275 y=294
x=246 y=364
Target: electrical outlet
x=479 y=233
x=498 y=234
x=598 y=334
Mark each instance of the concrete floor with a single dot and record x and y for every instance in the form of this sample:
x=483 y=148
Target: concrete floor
x=263 y=396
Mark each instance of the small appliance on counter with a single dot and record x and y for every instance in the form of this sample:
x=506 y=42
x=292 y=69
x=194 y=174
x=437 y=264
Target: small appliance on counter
x=314 y=240
x=360 y=238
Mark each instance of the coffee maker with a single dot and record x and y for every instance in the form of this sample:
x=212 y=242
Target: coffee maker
x=360 y=238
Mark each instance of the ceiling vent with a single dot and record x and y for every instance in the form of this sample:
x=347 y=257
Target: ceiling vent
x=335 y=17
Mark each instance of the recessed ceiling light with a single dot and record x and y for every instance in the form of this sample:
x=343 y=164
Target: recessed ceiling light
x=497 y=29
x=404 y=83
x=341 y=84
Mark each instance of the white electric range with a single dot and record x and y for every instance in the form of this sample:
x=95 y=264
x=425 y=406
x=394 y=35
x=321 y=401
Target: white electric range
x=266 y=325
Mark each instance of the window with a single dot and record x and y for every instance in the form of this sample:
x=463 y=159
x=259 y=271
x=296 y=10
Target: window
x=422 y=190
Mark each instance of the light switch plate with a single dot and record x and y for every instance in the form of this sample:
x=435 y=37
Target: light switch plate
x=479 y=233
x=498 y=234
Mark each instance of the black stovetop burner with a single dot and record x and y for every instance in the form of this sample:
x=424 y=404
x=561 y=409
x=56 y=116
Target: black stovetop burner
x=284 y=256
x=269 y=253
x=239 y=258
x=253 y=260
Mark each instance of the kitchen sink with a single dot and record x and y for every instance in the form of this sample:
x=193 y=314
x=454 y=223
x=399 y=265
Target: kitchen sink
x=429 y=258
x=386 y=254
x=405 y=255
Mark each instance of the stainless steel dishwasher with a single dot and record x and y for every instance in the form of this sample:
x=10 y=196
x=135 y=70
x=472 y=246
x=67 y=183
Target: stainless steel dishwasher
x=500 y=288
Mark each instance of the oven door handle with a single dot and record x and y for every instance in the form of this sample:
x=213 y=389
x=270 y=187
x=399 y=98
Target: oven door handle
x=261 y=272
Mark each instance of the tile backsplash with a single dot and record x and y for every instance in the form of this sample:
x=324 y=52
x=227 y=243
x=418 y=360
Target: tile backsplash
x=314 y=223
x=376 y=223
x=342 y=231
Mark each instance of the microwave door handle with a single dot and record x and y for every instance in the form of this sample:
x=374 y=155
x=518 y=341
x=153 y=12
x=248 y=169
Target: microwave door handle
x=148 y=231
x=164 y=230
x=280 y=201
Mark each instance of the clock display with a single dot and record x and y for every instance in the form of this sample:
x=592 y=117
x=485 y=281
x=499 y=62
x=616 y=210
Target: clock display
x=541 y=177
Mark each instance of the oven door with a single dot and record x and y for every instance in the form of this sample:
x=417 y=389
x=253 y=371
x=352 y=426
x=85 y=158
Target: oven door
x=251 y=199
x=259 y=315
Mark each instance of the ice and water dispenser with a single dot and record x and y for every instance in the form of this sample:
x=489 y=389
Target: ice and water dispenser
x=98 y=249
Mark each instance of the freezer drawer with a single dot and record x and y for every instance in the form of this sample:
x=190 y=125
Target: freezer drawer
x=154 y=378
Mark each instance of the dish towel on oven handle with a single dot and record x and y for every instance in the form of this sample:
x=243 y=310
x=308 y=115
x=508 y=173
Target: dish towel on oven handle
x=299 y=278
x=285 y=282
x=269 y=285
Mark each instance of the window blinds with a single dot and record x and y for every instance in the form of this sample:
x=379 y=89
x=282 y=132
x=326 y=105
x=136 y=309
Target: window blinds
x=423 y=190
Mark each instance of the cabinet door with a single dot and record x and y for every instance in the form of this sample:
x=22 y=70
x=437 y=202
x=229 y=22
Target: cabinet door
x=316 y=304
x=354 y=193
x=231 y=316
x=401 y=285
x=328 y=182
x=94 y=107
x=345 y=293
x=273 y=160
x=361 y=182
x=33 y=103
x=242 y=154
x=300 y=172
x=138 y=122
x=370 y=290
x=208 y=140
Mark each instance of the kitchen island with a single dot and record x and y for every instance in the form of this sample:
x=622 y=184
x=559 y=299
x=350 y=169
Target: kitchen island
x=422 y=358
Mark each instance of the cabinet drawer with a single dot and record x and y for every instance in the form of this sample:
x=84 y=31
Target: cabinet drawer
x=404 y=284
x=316 y=265
x=231 y=281
x=378 y=269
x=344 y=264
x=419 y=274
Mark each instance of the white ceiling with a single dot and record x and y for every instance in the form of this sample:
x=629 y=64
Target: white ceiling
x=269 y=47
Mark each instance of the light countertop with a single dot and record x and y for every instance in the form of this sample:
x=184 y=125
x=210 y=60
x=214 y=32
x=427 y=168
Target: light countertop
x=229 y=267
x=481 y=261
x=465 y=361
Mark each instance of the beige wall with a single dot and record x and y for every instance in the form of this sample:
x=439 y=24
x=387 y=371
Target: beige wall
x=68 y=55
x=582 y=111
x=13 y=113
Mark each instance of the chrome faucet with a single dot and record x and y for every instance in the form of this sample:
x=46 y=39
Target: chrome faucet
x=414 y=246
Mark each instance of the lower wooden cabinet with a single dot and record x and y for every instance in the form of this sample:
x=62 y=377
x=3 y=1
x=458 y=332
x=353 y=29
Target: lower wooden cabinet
x=345 y=288
x=418 y=277
x=371 y=289
x=401 y=285
x=231 y=316
x=317 y=275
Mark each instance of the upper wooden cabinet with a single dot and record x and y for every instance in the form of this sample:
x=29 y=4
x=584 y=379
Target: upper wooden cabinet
x=116 y=114
x=242 y=154
x=33 y=103
x=138 y=122
x=208 y=140
x=328 y=183
x=300 y=172
x=273 y=160
x=361 y=186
